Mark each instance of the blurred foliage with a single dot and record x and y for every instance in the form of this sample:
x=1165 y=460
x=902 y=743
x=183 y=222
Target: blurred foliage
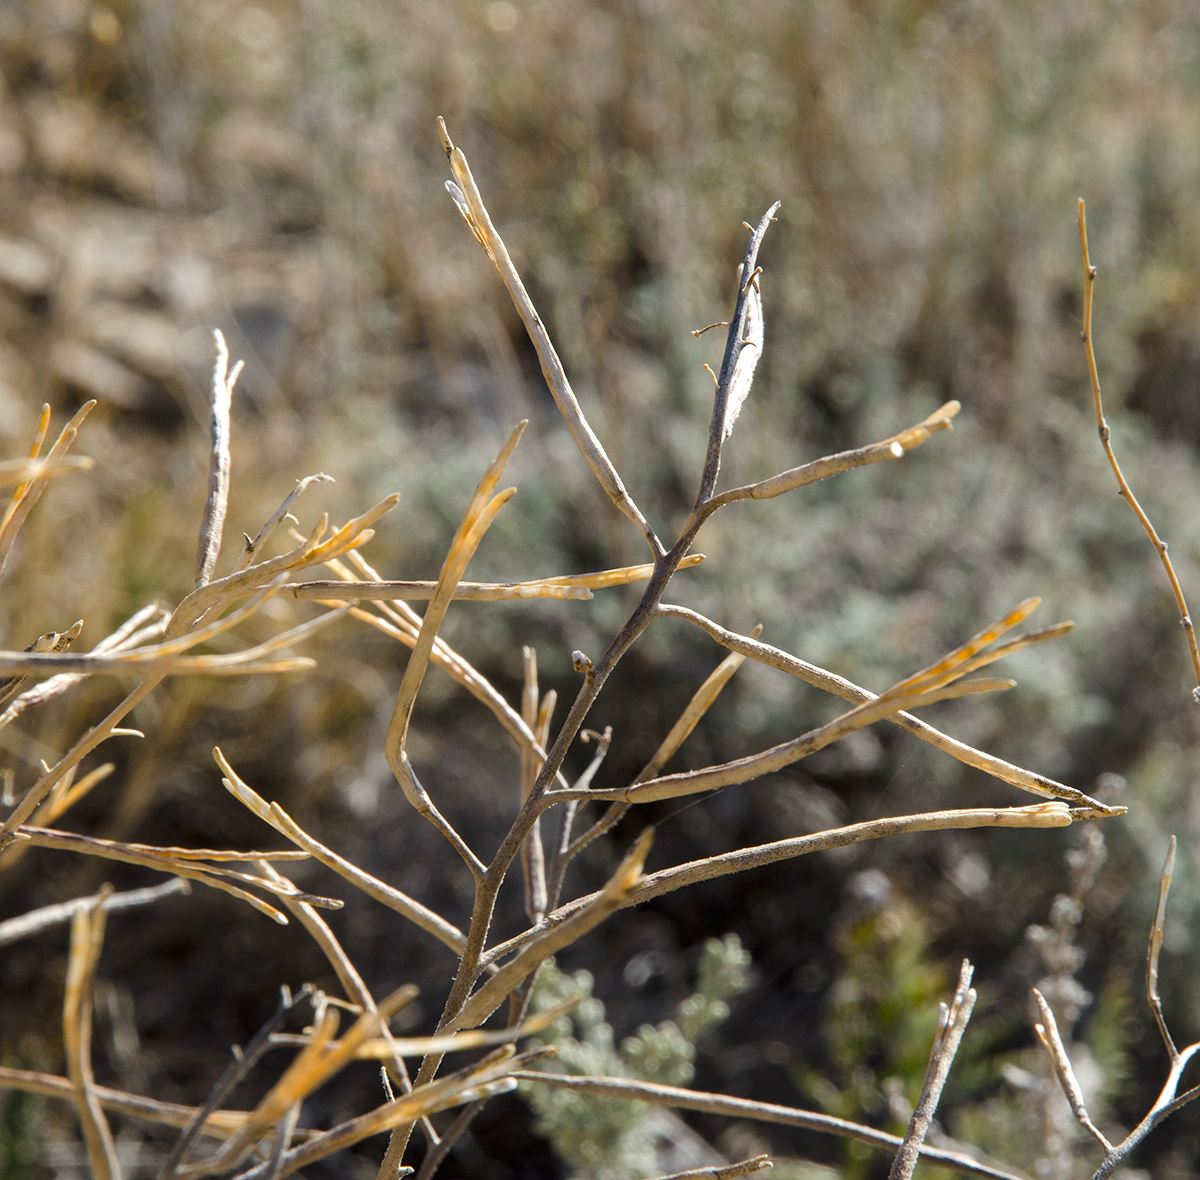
x=880 y=1017
x=272 y=168
x=610 y=1138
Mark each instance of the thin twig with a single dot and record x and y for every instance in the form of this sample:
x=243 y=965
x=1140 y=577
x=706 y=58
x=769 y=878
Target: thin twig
x=284 y=1130
x=18 y=471
x=837 y=685
x=1048 y=1034
x=87 y=938
x=612 y=897
x=951 y=1026
x=437 y=1153
x=414 y=911
x=470 y=204
x=572 y=586
x=1152 y=952
x=565 y=849
x=243 y=1061
x=766 y=1112
x=167 y=1114
x=27 y=494
x=737 y=341
x=935 y=683
x=695 y=709
x=747 y=1167
x=890 y=448
x=212 y=524
x=533 y=856
x=400 y=621
x=1160 y=546
x=481 y=511
x=1035 y=815
x=483 y=1079
x=254 y=547
x=51 y=915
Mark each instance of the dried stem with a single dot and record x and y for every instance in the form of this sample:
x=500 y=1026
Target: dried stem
x=766 y=1112
x=932 y=684
x=470 y=204
x=1160 y=546
x=482 y=1079
x=27 y=493
x=254 y=547
x=952 y=1024
x=244 y=1060
x=445 y=932
x=479 y=514
x=832 y=683
x=742 y=336
x=1169 y=1099
x=565 y=586
x=1152 y=952
x=87 y=938
x=212 y=523
x=747 y=1167
x=38 y=920
x=1048 y=1034
x=437 y=1152
x=1036 y=815
x=533 y=857
x=890 y=448
x=219 y=1123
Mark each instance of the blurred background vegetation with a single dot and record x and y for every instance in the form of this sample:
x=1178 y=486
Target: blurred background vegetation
x=273 y=169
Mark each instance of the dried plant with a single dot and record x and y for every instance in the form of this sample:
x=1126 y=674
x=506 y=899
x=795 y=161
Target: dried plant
x=1170 y=1099
x=271 y=1140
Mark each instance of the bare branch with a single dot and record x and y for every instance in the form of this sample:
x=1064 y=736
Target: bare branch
x=254 y=547
x=1035 y=815
x=204 y=1118
x=1156 y=937
x=533 y=858
x=483 y=1079
x=935 y=683
x=212 y=524
x=890 y=448
x=166 y=860
x=832 y=683
x=51 y=915
x=219 y=1123
x=27 y=494
x=766 y=1112
x=271 y=813
x=1048 y=1034
x=590 y=914
x=745 y=333
x=747 y=1167
x=400 y=621
x=1160 y=546
x=17 y=471
x=951 y=1026
x=87 y=937
x=470 y=204
x=574 y=586
x=438 y=1151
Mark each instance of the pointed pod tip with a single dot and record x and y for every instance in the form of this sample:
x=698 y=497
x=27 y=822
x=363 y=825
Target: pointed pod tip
x=1025 y=608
